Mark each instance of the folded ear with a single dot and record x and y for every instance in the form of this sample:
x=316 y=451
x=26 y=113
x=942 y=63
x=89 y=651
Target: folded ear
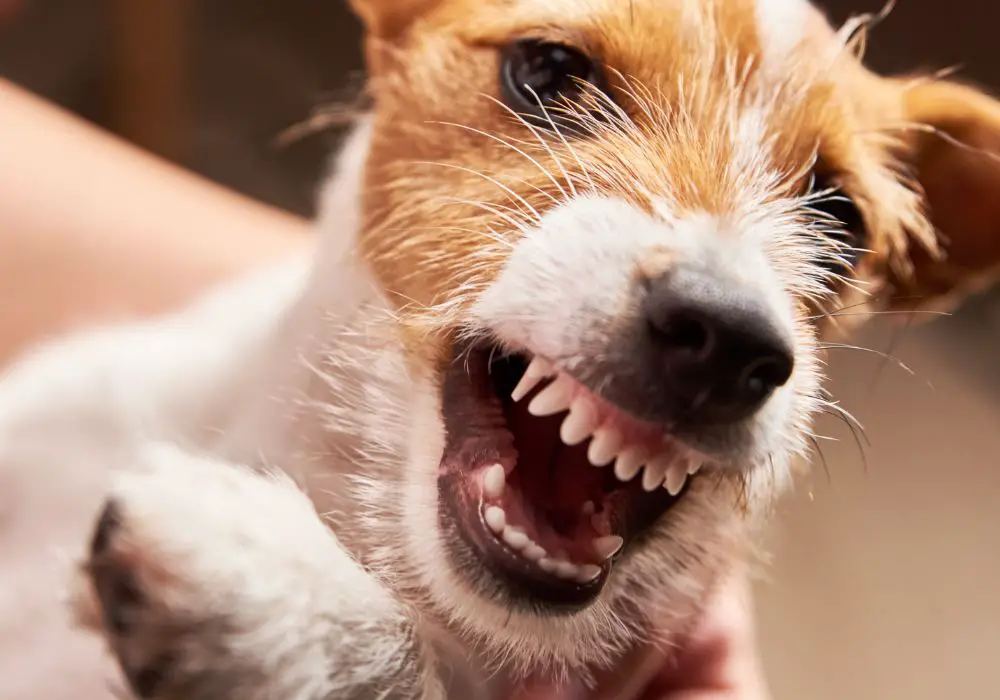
x=956 y=157
x=386 y=19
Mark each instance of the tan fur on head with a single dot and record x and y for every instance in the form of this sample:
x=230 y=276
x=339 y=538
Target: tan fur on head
x=716 y=114
x=872 y=131
x=386 y=19
x=954 y=152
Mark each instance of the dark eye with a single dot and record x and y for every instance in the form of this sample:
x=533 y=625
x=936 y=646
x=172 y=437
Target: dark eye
x=842 y=220
x=539 y=76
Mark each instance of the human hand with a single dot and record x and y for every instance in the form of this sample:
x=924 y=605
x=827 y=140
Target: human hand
x=717 y=661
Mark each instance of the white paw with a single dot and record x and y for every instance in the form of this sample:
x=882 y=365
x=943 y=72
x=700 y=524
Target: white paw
x=216 y=582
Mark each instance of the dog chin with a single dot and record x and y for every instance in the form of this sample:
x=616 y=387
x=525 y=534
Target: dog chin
x=447 y=581
x=653 y=591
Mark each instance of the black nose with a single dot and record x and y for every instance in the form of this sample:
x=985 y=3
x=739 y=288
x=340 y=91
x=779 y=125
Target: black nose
x=719 y=352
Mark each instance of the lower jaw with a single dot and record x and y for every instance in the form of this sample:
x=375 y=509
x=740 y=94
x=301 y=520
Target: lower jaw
x=516 y=579
x=513 y=579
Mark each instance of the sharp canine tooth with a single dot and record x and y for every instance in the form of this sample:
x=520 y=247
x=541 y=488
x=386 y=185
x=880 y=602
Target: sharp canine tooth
x=693 y=466
x=676 y=478
x=494 y=481
x=553 y=399
x=629 y=463
x=533 y=552
x=588 y=573
x=538 y=370
x=607 y=547
x=604 y=446
x=496 y=519
x=565 y=569
x=653 y=475
x=579 y=424
x=517 y=539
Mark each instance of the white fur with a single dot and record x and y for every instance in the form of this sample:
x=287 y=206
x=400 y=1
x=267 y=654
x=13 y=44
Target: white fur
x=782 y=24
x=293 y=598
x=573 y=272
x=568 y=287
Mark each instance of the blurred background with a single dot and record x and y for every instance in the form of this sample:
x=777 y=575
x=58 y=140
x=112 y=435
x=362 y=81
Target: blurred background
x=886 y=575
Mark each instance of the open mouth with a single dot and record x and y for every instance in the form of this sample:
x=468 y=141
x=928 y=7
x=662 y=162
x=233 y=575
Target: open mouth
x=546 y=481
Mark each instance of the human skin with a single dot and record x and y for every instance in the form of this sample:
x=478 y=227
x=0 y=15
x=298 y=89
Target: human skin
x=718 y=661
x=93 y=230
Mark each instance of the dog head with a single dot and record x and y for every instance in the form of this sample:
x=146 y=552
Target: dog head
x=613 y=233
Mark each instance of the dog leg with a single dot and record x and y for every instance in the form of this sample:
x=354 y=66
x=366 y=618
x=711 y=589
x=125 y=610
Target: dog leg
x=212 y=582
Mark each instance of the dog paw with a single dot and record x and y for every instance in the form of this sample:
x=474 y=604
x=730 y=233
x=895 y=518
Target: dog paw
x=132 y=617
x=189 y=566
x=211 y=582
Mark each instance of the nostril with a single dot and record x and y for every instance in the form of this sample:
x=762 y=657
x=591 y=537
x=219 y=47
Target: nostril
x=688 y=332
x=765 y=374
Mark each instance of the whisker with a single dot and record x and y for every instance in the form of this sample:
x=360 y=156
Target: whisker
x=489 y=234
x=835 y=409
x=616 y=109
x=514 y=148
x=844 y=346
x=558 y=132
x=863 y=303
x=517 y=197
x=495 y=209
x=541 y=140
x=910 y=314
x=893 y=344
x=822 y=457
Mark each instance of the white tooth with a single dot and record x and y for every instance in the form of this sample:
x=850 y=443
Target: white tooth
x=565 y=569
x=494 y=481
x=604 y=446
x=652 y=476
x=538 y=370
x=588 y=508
x=694 y=466
x=588 y=573
x=607 y=547
x=629 y=463
x=495 y=518
x=553 y=399
x=676 y=478
x=547 y=565
x=533 y=552
x=517 y=539
x=579 y=424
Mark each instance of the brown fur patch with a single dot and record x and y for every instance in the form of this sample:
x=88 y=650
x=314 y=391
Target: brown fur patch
x=453 y=177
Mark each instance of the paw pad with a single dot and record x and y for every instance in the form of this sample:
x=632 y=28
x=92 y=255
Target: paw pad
x=123 y=604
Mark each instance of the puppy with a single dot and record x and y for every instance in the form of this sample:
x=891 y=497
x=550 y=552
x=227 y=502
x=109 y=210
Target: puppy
x=556 y=356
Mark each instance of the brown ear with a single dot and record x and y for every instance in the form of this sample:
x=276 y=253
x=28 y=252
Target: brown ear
x=386 y=19
x=956 y=157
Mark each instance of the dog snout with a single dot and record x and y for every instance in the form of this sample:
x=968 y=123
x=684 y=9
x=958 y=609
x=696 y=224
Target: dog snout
x=714 y=351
